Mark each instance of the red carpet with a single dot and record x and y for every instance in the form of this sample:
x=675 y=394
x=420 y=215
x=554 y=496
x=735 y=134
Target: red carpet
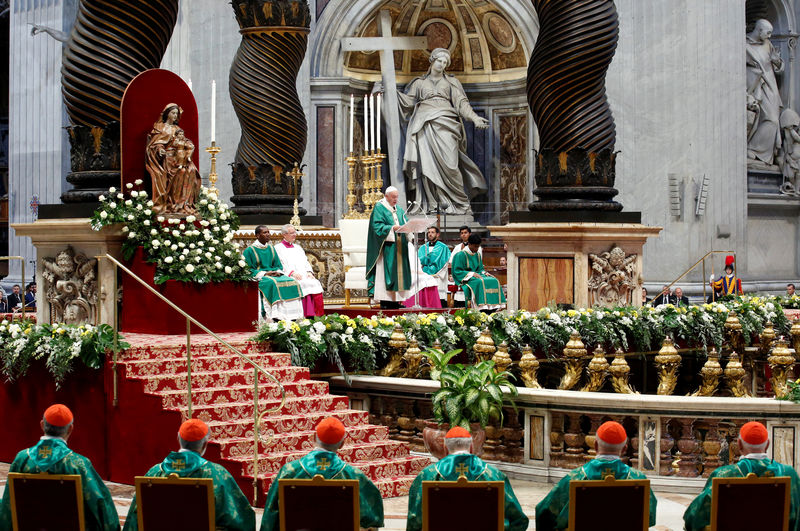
x=222 y=397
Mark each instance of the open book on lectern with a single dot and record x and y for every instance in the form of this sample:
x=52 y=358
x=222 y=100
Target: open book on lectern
x=416 y=225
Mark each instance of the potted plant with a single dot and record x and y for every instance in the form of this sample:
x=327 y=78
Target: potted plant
x=470 y=396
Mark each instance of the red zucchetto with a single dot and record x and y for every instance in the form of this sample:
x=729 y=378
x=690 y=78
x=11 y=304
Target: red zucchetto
x=457 y=433
x=330 y=430
x=193 y=430
x=754 y=433
x=612 y=433
x=58 y=415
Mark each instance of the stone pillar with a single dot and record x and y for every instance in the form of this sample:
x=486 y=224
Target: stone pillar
x=574 y=439
x=711 y=448
x=665 y=445
x=687 y=444
x=557 y=439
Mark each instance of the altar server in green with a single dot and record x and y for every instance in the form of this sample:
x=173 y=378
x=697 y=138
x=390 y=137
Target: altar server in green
x=388 y=264
x=51 y=455
x=232 y=510
x=435 y=257
x=479 y=286
x=553 y=511
x=323 y=461
x=460 y=461
x=753 y=443
x=281 y=296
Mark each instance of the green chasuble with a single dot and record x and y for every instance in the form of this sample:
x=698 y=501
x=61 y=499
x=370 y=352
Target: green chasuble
x=280 y=288
x=53 y=456
x=329 y=466
x=433 y=259
x=396 y=265
x=449 y=469
x=553 y=511
x=698 y=515
x=231 y=508
x=481 y=288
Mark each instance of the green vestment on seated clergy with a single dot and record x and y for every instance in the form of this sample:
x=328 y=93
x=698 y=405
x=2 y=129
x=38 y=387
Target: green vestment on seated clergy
x=434 y=258
x=277 y=288
x=329 y=466
x=232 y=511
x=698 y=514
x=53 y=456
x=553 y=511
x=480 y=287
x=396 y=265
x=474 y=469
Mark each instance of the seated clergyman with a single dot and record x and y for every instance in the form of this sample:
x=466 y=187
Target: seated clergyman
x=296 y=265
x=51 y=455
x=481 y=288
x=280 y=295
x=553 y=511
x=753 y=442
x=323 y=461
x=460 y=461
x=232 y=510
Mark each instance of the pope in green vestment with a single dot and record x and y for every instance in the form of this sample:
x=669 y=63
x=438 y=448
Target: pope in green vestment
x=698 y=514
x=329 y=466
x=481 y=288
x=553 y=511
x=475 y=469
x=388 y=265
x=232 y=510
x=281 y=294
x=51 y=455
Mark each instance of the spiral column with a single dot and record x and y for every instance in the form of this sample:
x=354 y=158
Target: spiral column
x=112 y=41
x=567 y=98
x=263 y=90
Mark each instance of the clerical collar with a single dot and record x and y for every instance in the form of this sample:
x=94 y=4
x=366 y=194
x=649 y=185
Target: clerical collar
x=757 y=457
x=433 y=243
x=287 y=244
x=607 y=457
x=51 y=438
x=387 y=205
x=260 y=245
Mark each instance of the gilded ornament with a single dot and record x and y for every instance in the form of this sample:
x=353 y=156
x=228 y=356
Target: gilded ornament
x=667 y=361
x=398 y=344
x=710 y=373
x=795 y=332
x=574 y=353
x=501 y=358
x=733 y=330
x=780 y=361
x=413 y=358
x=529 y=366
x=484 y=346
x=734 y=374
x=766 y=338
x=620 y=371
x=597 y=371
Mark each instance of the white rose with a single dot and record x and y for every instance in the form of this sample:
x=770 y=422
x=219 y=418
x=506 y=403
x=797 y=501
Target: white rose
x=125 y=229
x=218 y=265
x=182 y=258
x=181 y=245
x=190 y=219
x=208 y=255
x=146 y=223
x=101 y=198
x=212 y=249
x=204 y=223
x=128 y=202
x=155 y=243
x=167 y=242
x=103 y=214
x=242 y=263
x=173 y=247
x=182 y=226
x=129 y=186
x=228 y=270
x=176 y=233
x=226 y=227
x=213 y=222
x=153 y=232
x=134 y=194
x=112 y=190
x=130 y=217
x=166 y=230
x=112 y=204
x=120 y=196
x=204 y=202
x=227 y=253
x=168 y=259
x=147 y=211
x=211 y=207
x=174 y=221
x=137 y=182
x=149 y=203
x=160 y=219
x=132 y=235
x=197 y=259
x=139 y=208
x=192 y=246
x=185 y=251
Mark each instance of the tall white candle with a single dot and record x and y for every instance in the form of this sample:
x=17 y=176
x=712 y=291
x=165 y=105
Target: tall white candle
x=213 y=110
x=352 y=104
x=372 y=115
x=366 y=121
x=378 y=121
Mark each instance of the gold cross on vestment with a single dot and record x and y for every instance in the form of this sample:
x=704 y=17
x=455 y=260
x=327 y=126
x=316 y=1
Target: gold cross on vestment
x=462 y=470
x=179 y=464
x=45 y=451
x=608 y=472
x=323 y=464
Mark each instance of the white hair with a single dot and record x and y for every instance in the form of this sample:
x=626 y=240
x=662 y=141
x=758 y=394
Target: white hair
x=457 y=444
x=193 y=446
x=285 y=228
x=390 y=190
x=608 y=448
x=754 y=448
x=330 y=447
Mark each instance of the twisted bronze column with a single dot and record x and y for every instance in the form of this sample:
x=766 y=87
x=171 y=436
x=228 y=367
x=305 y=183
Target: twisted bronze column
x=111 y=42
x=263 y=91
x=567 y=97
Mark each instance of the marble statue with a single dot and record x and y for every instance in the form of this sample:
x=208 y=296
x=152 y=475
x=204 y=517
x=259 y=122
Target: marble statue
x=790 y=161
x=176 y=181
x=763 y=97
x=440 y=175
x=70 y=286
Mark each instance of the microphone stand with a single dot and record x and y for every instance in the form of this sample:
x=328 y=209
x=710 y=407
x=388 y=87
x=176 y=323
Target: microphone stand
x=416 y=271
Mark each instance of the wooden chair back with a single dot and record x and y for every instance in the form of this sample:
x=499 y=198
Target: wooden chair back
x=592 y=500
x=441 y=500
x=733 y=501
x=64 y=495
x=335 y=503
x=166 y=504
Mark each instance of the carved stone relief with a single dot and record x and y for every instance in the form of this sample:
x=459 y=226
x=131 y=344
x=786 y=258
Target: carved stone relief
x=613 y=278
x=513 y=164
x=71 y=287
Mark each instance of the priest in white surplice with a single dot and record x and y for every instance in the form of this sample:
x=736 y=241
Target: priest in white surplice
x=296 y=265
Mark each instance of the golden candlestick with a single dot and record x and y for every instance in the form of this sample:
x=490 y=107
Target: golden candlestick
x=212 y=175
x=296 y=175
x=367 y=196
x=352 y=200
x=378 y=177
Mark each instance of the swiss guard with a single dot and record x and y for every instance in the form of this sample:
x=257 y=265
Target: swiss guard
x=729 y=284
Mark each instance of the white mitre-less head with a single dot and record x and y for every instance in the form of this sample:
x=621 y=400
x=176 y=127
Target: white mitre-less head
x=390 y=190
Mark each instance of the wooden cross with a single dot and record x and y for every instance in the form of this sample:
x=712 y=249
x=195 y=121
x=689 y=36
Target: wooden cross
x=462 y=470
x=386 y=45
x=323 y=464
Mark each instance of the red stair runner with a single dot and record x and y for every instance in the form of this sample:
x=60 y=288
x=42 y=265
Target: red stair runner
x=222 y=396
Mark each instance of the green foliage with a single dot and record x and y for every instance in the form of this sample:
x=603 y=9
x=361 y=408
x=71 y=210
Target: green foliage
x=794 y=392
x=439 y=360
x=471 y=393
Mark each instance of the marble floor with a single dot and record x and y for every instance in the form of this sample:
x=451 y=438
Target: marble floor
x=669 y=517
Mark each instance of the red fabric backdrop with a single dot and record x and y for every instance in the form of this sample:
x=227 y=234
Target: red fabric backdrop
x=142 y=104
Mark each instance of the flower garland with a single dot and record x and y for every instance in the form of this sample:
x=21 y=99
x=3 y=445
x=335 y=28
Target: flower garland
x=361 y=344
x=58 y=345
x=191 y=249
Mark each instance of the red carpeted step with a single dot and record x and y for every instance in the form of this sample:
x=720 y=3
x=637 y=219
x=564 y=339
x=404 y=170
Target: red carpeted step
x=177 y=381
x=296 y=428
x=242 y=447
x=156 y=366
x=178 y=350
x=293 y=406
x=175 y=399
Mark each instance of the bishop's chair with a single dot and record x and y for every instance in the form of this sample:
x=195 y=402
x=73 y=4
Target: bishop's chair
x=440 y=497
x=590 y=501
x=336 y=504
x=64 y=496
